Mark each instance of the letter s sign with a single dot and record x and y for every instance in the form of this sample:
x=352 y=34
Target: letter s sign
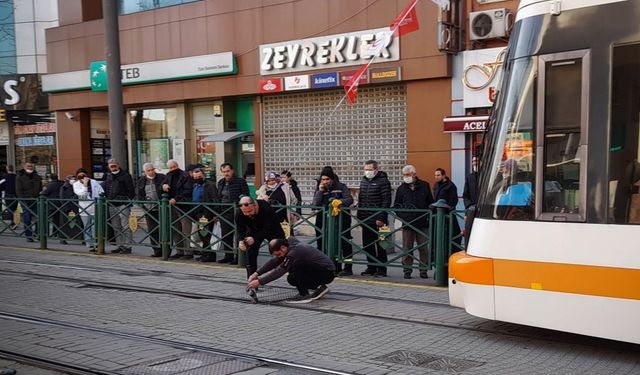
x=9 y=89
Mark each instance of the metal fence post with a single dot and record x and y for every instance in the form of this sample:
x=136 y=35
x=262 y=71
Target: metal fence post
x=164 y=226
x=101 y=223
x=440 y=233
x=42 y=220
x=329 y=234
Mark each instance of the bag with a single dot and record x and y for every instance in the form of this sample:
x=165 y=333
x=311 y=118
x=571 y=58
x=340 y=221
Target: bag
x=385 y=240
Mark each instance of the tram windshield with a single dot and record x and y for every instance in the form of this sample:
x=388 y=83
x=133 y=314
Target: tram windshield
x=508 y=178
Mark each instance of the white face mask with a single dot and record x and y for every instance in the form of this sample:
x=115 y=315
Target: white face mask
x=271 y=186
x=408 y=180
x=115 y=172
x=369 y=174
x=29 y=170
x=150 y=177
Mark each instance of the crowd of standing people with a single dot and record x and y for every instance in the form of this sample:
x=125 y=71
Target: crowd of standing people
x=255 y=221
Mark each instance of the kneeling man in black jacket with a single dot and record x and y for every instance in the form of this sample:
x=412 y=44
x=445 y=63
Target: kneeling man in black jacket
x=308 y=269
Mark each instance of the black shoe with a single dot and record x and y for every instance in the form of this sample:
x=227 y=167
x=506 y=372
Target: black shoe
x=29 y=239
x=225 y=260
x=206 y=259
x=424 y=275
x=176 y=256
x=368 y=272
x=63 y=242
x=125 y=250
x=381 y=273
x=92 y=250
x=154 y=255
x=319 y=293
x=116 y=251
x=345 y=272
x=407 y=275
x=234 y=262
x=187 y=256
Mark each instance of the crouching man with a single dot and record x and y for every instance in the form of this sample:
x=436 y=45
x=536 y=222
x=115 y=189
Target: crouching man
x=308 y=269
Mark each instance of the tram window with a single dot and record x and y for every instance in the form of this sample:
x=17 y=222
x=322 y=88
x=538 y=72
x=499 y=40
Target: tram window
x=624 y=150
x=561 y=173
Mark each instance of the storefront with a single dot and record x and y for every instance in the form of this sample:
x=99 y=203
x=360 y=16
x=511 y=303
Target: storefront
x=29 y=132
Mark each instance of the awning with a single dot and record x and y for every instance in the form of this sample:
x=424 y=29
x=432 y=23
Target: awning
x=226 y=136
x=465 y=124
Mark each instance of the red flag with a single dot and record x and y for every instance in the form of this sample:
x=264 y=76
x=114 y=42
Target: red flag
x=407 y=21
x=351 y=87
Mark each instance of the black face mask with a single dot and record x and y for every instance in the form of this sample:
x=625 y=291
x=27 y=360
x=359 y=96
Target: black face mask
x=198 y=180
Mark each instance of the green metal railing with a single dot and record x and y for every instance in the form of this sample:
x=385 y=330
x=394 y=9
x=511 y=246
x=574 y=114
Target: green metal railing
x=184 y=226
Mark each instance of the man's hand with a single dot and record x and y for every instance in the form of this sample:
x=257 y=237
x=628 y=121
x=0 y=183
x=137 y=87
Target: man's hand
x=242 y=246
x=254 y=284
x=253 y=276
x=166 y=187
x=379 y=223
x=172 y=201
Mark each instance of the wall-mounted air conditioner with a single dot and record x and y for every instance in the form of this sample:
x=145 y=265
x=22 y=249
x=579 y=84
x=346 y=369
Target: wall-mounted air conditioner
x=488 y=24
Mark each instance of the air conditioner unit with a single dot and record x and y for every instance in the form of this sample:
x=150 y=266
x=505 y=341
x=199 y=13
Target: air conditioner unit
x=488 y=24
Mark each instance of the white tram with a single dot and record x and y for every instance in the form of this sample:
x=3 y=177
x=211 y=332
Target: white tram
x=556 y=238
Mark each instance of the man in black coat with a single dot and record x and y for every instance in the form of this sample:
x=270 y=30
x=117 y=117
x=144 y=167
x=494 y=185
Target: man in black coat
x=8 y=187
x=256 y=221
x=470 y=193
x=118 y=189
x=375 y=192
x=178 y=185
x=230 y=188
x=28 y=187
x=52 y=191
x=413 y=194
x=447 y=191
x=149 y=188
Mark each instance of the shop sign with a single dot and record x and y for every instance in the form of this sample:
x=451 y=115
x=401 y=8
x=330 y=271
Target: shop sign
x=35 y=129
x=3 y=115
x=21 y=92
x=481 y=76
x=325 y=52
x=4 y=134
x=465 y=124
x=323 y=80
x=379 y=75
x=154 y=71
x=296 y=83
x=46 y=140
x=270 y=85
x=345 y=77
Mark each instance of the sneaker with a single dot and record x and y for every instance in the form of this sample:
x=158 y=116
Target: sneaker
x=407 y=275
x=252 y=294
x=424 y=275
x=299 y=299
x=368 y=272
x=320 y=292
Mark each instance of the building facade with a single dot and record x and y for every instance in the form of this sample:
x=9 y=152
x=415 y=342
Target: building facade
x=27 y=127
x=254 y=83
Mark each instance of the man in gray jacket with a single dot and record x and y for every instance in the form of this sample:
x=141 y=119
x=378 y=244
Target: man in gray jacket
x=308 y=269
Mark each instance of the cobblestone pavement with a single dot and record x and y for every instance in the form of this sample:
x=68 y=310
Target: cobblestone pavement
x=364 y=326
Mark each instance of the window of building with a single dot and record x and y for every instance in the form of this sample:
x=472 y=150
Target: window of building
x=7 y=39
x=134 y=6
x=35 y=141
x=624 y=150
x=153 y=134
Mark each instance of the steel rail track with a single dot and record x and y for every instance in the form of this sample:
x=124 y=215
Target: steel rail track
x=171 y=343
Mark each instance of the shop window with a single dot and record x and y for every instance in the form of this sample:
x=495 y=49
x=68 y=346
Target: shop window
x=35 y=141
x=154 y=135
x=624 y=156
x=134 y=6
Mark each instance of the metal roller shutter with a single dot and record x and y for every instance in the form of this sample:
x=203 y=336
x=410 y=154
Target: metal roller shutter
x=373 y=128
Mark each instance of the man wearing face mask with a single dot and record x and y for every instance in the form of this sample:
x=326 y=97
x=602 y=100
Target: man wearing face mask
x=119 y=188
x=375 y=192
x=28 y=187
x=149 y=188
x=413 y=193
